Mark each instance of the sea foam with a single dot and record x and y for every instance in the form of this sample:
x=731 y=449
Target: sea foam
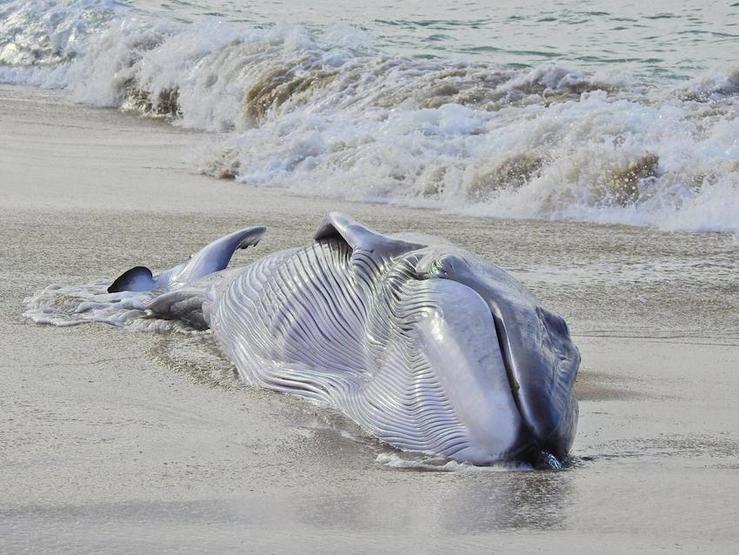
x=324 y=112
x=72 y=305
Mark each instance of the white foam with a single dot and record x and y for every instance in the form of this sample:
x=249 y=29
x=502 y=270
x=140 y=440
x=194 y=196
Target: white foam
x=412 y=461
x=71 y=305
x=325 y=113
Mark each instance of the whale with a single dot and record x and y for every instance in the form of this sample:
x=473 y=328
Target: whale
x=424 y=345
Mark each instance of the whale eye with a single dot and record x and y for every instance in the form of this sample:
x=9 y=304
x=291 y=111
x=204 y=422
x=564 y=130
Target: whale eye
x=449 y=265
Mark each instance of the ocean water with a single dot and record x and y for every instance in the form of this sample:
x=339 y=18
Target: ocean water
x=612 y=112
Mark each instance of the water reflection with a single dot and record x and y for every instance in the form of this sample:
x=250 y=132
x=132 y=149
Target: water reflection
x=532 y=500
x=421 y=503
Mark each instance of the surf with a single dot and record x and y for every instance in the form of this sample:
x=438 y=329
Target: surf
x=327 y=112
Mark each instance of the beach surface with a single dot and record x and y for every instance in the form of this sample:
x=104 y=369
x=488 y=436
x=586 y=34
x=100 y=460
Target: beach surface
x=121 y=441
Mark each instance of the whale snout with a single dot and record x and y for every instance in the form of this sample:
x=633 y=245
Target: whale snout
x=552 y=438
x=546 y=373
x=535 y=356
x=513 y=407
x=542 y=364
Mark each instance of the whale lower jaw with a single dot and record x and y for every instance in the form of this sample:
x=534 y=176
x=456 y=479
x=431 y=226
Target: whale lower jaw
x=540 y=453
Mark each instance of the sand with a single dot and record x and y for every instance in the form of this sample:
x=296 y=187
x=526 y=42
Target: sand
x=126 y=442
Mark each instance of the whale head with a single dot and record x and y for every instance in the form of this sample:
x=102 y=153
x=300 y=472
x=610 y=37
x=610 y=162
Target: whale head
x=533 y=358
x=506 y=365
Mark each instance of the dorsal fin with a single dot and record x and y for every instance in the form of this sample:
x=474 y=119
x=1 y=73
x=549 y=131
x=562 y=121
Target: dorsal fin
x=361 y=238
x=138 y=278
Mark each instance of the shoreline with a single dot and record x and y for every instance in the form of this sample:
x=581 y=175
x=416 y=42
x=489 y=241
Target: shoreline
x=126 y=441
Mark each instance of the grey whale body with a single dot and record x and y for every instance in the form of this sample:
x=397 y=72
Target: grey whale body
x=425 y=346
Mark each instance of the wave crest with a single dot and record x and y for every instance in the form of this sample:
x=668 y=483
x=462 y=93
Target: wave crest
x=327 y=113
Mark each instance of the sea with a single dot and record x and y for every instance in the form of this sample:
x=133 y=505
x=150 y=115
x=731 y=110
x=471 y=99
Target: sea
x=618 y=112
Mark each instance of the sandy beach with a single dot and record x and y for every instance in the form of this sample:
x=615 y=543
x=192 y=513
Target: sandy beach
x=123 y=442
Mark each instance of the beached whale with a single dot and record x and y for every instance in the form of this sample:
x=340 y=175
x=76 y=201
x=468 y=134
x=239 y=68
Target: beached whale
x=425 y=346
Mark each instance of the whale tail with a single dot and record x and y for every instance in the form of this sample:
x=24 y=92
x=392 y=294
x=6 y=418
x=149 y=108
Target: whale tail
x=211 y=258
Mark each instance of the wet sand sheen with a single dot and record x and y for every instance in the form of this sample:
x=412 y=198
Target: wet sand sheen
x=130 y=441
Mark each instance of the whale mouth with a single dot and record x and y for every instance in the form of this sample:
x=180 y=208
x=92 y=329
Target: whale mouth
x=544 y=460
x=542 y=453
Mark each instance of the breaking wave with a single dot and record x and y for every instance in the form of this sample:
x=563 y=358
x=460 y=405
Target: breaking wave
x=327 y=113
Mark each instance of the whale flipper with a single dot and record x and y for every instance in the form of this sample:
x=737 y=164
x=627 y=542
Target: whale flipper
x=138 y=278
x=362 y=239
x=212 y=258
x=184 y=304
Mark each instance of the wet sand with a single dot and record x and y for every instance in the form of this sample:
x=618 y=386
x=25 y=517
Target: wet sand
x=124 y=442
